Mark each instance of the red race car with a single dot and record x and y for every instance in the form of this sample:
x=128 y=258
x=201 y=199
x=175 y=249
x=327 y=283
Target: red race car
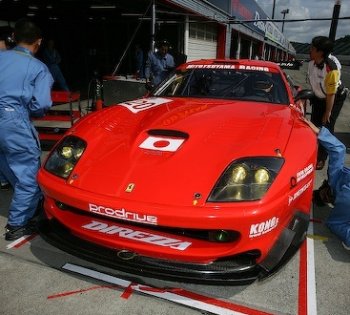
x=209 y=178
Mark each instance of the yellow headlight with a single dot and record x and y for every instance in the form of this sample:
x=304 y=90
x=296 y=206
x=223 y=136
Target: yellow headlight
x=262 y=176
x=67 y=168
x=67 y=152
x=238 y=174
x=78 y=152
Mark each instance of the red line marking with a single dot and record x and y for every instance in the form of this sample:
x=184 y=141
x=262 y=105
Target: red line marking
x=26 y=240
x=63 y=294
x=128 y=291
x=302 y=297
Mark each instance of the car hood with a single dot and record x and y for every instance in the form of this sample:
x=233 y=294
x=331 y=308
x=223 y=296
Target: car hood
x=172 y=152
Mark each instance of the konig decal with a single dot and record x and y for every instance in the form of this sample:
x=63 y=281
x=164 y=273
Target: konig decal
x=144 y=104
x=298 y=193
x=305 y=172
x=136 y=235
x=123 y=214
x=161 y=144
x=263 y=227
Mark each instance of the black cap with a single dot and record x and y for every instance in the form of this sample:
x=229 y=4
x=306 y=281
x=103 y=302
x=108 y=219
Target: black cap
x=163 y=42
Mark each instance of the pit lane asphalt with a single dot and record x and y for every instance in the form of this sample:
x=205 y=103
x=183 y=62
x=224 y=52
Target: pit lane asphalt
x=32 y=280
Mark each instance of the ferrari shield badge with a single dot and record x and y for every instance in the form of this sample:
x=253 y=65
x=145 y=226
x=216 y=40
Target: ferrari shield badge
x=130 y=188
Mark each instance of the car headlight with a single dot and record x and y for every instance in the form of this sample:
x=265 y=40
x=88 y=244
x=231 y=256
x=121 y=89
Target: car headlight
x=65 y=156
x=246 y=179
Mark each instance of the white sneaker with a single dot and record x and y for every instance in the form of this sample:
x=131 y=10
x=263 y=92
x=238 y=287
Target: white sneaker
x=346 y=247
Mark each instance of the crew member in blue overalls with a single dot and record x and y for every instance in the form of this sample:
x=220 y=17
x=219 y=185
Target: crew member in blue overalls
x=5 y=43
x=25 y=92
x=339 y=181
x=159 y=64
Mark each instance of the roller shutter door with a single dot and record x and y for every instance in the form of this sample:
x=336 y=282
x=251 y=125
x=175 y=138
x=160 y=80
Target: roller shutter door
x=202 y=42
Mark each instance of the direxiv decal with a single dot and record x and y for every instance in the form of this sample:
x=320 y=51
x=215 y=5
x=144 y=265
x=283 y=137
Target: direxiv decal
x=144 y=104
x=263 y=227
x=123 y=214
x=299 y=192
x=137 y=235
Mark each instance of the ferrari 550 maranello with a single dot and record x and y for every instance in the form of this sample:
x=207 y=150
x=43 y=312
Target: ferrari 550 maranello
x=207 y=178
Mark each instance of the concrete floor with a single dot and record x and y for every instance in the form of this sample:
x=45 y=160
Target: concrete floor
x=35 y=280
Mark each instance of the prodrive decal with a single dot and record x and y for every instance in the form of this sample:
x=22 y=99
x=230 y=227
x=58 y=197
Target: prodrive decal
x=136 y=235
x=123 y=214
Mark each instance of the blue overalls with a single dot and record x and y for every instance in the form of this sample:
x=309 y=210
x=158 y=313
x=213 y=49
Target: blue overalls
x=339 y=180
x=159 y=66
x=25 y=91
x=3 y=180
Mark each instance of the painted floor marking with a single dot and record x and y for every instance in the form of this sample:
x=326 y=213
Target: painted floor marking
x=302 y=293
x=177 y=295
x=311 y=274
x=317 y=237
x=67 y=293
x=21 y=241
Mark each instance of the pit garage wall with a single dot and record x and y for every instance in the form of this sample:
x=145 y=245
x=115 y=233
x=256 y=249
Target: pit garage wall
x=257 y=39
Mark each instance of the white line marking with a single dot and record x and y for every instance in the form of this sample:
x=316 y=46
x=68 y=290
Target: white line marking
x=151 y=291
x=16 y=242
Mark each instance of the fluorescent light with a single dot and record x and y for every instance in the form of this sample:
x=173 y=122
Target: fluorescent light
x=102 y=6
x=131 y=14
x=33 y=7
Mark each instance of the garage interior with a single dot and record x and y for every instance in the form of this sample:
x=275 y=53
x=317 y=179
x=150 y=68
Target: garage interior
x=93 y=35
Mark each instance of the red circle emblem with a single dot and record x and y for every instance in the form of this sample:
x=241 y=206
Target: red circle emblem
x=161 y=143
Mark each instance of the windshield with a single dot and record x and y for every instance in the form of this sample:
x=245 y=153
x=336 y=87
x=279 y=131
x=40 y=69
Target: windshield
x=225 y=84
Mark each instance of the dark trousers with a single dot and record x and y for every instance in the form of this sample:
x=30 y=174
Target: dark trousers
x=318 y=109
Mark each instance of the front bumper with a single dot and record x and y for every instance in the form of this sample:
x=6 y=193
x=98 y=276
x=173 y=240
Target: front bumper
x=239 y=269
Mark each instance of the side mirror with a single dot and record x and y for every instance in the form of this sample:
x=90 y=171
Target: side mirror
x=304 y=95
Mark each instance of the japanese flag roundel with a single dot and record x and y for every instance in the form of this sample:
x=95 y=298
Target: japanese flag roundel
x=161 y=144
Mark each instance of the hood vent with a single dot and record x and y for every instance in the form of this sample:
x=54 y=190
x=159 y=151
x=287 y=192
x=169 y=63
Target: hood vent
x=168 y=133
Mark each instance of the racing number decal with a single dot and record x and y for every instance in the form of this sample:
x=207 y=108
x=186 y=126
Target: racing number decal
x=144 y=104
x=161 y=144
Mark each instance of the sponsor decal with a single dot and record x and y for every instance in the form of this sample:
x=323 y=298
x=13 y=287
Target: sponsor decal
x=261 y=25
x=241 y=67
x=144 y=104
x=299 y=192
x=123 y=214
x=255 y=68
x=161 y=144
x=263 y=227
x=211 y=67
x=136 y=235
x=305 y=172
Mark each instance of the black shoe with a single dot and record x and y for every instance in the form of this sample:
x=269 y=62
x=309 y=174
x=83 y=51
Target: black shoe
x=5 y=186
x=15 y=232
